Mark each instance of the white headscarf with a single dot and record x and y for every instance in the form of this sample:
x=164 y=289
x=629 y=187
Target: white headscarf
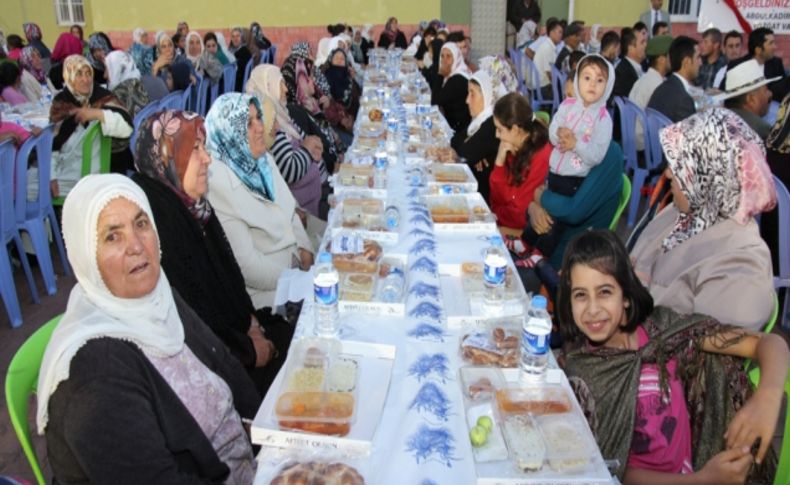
x=484 y=81
x=120 y=67
x=264 y=82
x=322 y=52
x=194 y=59
x=137 y=35
x=459 y=66
x=366 y=31
x=151 y=322
x=224 y=46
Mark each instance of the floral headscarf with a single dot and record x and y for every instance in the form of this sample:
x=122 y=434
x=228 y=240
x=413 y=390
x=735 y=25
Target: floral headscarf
x=301 y=50
x=226 y=126
x=503 y=77
x=98 y=41
x=71 y=66
x=164 y=147
x=66 y=45
x=33 y=36
x=26 y=62
x=719 y=164
x=142 y=54
x=120 y=67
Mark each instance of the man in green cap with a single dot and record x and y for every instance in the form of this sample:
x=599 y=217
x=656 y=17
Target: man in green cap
x=658 y=58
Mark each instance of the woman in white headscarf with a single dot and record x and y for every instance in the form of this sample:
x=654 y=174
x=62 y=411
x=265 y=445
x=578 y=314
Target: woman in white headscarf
x=206 y=63
x=133 y=384
x=298 y=157
x=451 y=94
x=123 y=80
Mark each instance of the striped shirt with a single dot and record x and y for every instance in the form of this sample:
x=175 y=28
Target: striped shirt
x=292 y=162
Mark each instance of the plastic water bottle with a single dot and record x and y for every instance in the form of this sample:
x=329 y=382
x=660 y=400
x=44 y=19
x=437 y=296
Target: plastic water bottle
x=494 y=268
x=392 y=217
x=535 y=336
x=392 y=288
x=380 y=163
x=325 y=288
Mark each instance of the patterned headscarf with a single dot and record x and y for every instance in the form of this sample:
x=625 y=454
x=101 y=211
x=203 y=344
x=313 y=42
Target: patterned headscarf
x=33 y=35
x=226 y=126
x=26 y=62
x=66 y=45
x=301 y=50
x=71 y=66
x=142 y=54
x=719 y=164
x=265 y=81
x=779 y=137
x=164 y=147
x=120 y=67
x=503 y=77
x=98 y=41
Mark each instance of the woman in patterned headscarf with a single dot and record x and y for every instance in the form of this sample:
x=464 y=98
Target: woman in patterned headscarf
x=33 y=35
x=173 y=172
x=33 y=75
x=72 y=110
x=142 y=53
x=703 y=254
x=99 y=46
x=123 y=79
x=252 y=201
x=252 y=50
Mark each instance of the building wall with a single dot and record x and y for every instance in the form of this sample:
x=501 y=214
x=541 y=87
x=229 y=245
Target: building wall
x=610 y=12
x=13 y=13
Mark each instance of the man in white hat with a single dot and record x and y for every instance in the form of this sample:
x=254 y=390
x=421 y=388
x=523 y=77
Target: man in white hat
x=747 y=95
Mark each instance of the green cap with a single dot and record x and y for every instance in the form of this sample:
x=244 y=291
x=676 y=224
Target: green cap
x=659 y=45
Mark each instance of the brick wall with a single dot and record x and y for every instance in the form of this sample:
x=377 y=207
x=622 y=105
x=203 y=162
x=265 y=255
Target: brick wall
x=282 y=37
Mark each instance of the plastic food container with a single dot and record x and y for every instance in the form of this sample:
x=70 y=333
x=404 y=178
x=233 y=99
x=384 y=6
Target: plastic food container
x=357 y=286
x=450 y=209
x=473 y=285
x=533 y=400
x=568 y=445
x=355 y=175
x=480 y=383
x=329 y=413
x=498 y=345
x=525 y=442
x=444 y=173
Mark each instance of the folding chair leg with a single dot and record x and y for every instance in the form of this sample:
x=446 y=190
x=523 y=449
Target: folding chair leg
x=636 y=195
x=56 y=235
x=38 y=236
x=26 y=267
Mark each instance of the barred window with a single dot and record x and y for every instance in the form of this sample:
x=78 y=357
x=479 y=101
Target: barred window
x=684 y=10
x=69 y=12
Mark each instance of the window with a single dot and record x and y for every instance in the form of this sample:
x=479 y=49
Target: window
x=69 y=12
x=684 y=10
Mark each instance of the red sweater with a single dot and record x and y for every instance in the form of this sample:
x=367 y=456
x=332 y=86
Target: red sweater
x=510 y=202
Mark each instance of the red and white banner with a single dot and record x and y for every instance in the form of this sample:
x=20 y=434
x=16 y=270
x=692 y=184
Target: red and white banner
x=742 y=15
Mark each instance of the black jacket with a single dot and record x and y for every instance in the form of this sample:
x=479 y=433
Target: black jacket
x=200 y=264
x=451 y=98
x=671 y=99
x=483 y=145
x=116 y=420
x=625 y=76
x=400 y=41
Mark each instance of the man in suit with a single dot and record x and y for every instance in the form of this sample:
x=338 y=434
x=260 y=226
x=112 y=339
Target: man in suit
x=762 y=47
x=632 y=47
x=656 y=14
x=672 y=97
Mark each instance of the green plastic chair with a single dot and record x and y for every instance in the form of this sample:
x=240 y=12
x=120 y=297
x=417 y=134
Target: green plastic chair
x=20 y=382
x=544 y=117
x=105 y=151
x=625 y=196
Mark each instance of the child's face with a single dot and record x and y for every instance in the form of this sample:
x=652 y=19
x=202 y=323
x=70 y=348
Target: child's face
x=598 y=306
x=592 y=84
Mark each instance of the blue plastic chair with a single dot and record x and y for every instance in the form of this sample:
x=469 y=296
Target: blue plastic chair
x=558 y=79
x=32 y=216
x=537 y=96
x=247 y=72
x=141 y=116
x=229 y=77
x=9 y=232
x=630 y=113
x=782 y=281
x=272 y=55
x=515 y=56
x=174 y=100
x=207 y=92
x=186 y=98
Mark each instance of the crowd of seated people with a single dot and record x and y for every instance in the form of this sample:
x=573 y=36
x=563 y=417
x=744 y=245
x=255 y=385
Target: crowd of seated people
x=183 y=257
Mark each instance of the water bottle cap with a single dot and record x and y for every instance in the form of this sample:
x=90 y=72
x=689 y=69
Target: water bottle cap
x=324 y=257
x=496 y=240
x=539 y=302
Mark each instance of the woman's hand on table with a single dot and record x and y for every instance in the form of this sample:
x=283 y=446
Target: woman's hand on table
x=305 y=259
x=84 y=115
x=264 y=348
x=539 y=219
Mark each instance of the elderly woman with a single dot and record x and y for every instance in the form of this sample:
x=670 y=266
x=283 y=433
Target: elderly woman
x=214 y=44
x=392 y=37
x=703 y=253
x=133 y=386
x=236 y=39
x=142 y=53
x=166 y=59
x=339 y=76
x=451 y=89
x=297 y=156
x=252 y=50
x=72 y=110
x=123 y=79
x=99 y=46
x=33 y=75
x=172 y=165
x=252 y=201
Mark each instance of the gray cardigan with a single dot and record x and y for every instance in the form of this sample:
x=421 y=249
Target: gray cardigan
x=116 y=420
